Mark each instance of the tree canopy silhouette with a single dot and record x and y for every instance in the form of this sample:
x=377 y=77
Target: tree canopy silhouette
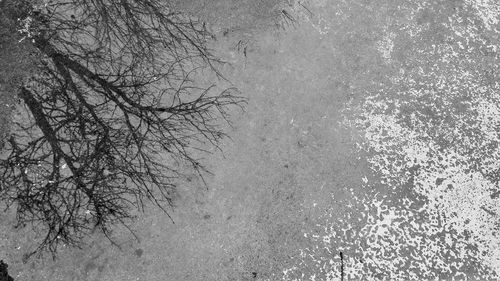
x=112 y=112
x=4 y=275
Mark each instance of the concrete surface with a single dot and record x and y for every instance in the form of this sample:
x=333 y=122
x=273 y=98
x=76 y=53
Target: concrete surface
x=371 y=130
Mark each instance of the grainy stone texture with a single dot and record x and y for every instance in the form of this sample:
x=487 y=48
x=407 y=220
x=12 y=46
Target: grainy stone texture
x=371 y=130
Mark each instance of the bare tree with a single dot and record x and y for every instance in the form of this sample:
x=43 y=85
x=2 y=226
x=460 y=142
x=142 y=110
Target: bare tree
x=112 y=112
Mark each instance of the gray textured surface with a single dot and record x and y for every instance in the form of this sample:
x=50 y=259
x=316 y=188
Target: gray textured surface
x=371 y=129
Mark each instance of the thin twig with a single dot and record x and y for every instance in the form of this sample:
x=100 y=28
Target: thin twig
x=341 y=266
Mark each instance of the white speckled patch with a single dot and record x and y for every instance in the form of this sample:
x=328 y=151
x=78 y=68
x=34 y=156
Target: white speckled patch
x=431 y=207
x=488 y=10
x=456 y=193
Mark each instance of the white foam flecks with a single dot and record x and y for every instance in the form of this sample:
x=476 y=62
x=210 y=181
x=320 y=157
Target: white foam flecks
x=455 y=178
x=489 y=116
x=432 y=139
x=488 y=11
x=459 y=196
x=393 y=244
x=463 y=199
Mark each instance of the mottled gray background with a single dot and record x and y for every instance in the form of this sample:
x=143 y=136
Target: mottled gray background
x=372 y=129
